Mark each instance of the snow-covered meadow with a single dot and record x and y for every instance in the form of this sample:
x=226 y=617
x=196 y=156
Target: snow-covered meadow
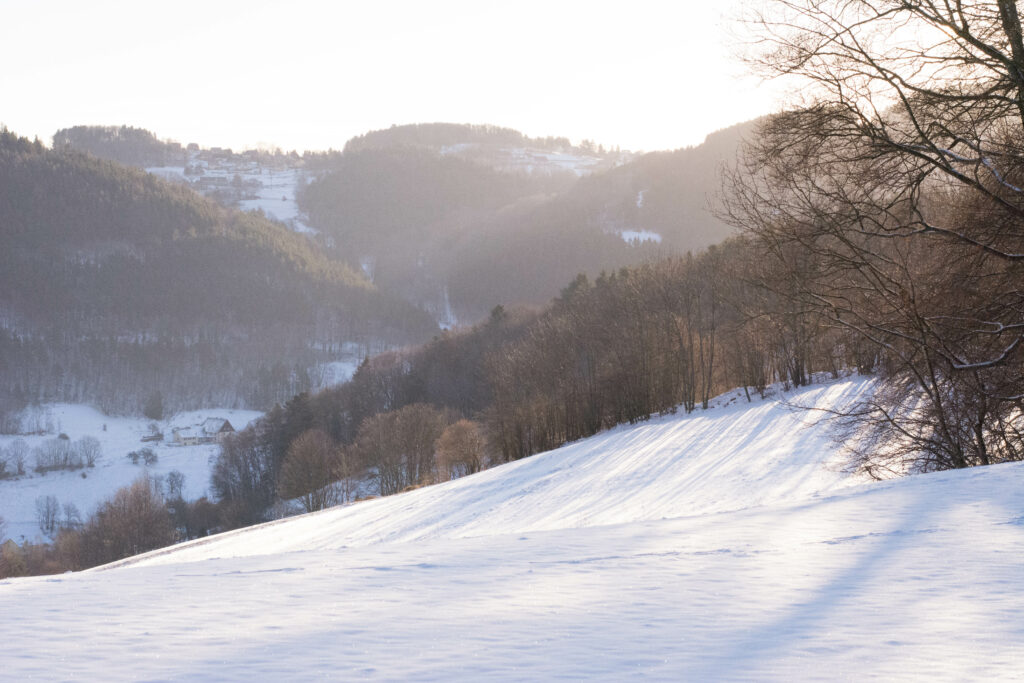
x=724 y=545
x=88 y=487
x=267 y=189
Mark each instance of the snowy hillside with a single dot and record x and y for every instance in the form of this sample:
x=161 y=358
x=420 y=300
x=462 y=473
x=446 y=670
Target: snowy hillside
x=88 y=487
x=732 y=457
x=724 y=545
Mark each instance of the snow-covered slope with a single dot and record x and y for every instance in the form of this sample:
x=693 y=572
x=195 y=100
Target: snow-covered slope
x=734 y=456
x=720 y=546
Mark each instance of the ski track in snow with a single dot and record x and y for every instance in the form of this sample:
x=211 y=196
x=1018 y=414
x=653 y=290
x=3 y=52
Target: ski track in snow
x=724 y=545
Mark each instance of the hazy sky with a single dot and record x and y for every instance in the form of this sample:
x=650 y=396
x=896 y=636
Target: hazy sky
x=308 y=74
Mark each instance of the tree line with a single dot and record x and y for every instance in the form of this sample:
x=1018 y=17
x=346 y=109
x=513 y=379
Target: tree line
x=441 y=135
x=125 y=144
x=663 y=336
x=147 y=514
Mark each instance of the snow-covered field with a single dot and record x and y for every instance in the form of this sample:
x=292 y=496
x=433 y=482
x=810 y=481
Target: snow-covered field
x=271 y=190
x=113 y=469
x=725 y=545
x=640 y=236
x=276 y=197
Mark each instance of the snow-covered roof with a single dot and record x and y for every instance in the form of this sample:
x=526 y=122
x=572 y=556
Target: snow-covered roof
x=215 y=425
x=187 y=432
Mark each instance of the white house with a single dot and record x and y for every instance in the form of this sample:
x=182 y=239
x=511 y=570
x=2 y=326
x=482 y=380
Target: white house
x=212 y=430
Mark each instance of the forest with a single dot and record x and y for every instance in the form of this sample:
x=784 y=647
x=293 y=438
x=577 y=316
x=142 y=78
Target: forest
x=437 y=136
x=124 y=144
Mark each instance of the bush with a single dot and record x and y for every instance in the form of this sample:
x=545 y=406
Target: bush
x=147 y=455
x=135 y=520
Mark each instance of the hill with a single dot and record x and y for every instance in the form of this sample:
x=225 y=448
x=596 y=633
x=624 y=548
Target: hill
x=458 y=218
x=723 y=546
x=461 y=218
x=115 y=284
x=647 y=208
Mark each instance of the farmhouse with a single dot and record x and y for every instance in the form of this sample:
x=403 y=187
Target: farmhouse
x=212 y=430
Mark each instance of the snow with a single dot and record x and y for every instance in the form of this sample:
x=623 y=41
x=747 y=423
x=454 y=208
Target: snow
x=170 y=173
x=113 y=470
x=529 y=159
x=276 y=197
x=368 y=265
x=446 y=319
x=724 y=545
x=348 y=356
x=631 y=236
x=269 y=189
x=336 y=372
x=581 y=165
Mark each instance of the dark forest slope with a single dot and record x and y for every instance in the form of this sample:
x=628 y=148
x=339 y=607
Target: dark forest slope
x=114 y=285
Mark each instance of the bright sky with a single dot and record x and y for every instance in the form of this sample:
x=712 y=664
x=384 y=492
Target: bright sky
x=310 y=74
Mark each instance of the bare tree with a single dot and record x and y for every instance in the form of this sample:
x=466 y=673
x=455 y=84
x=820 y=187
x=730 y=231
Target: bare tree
x=175 y=484
x=461 y=449
x=310 y=471
x=72 y=519
x=17 y=454
x=400 y=446
x=934 y=89
x=892 y=200
x=89 y=450
x=134 y=520
x=244 y=478
x=54 y=454
x=47 y=513
x=910 y=100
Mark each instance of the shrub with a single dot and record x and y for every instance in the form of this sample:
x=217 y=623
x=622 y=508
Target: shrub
x=147 y=455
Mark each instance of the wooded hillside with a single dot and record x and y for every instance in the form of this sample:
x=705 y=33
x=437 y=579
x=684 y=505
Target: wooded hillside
x=115 y=284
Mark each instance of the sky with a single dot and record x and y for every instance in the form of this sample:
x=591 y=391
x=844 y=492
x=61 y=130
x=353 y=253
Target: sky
x=308 y=74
